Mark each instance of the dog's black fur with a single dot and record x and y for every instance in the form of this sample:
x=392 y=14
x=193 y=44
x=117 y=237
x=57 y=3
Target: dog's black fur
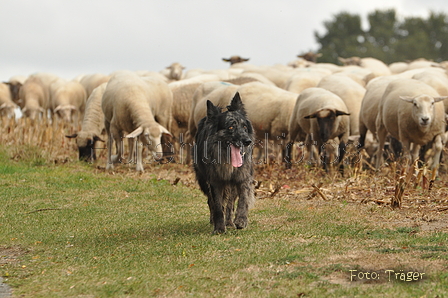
x=221 y=181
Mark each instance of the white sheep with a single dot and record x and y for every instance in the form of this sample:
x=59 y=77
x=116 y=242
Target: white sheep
x=377 y=67
x=7 y=106
x=318 y=117
x=91 y=81
x=174 y=72
x=412 y=112
x=305 y=79
x=350 y=92
x=92 y=127
x=370 y=105
x=140 y=106
x=68 y=99
x=34 y=97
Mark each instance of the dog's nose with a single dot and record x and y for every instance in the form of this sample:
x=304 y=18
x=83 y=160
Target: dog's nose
x=247 y=142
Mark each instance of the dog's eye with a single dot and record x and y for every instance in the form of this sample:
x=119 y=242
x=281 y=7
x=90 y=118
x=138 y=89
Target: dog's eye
x=230 y=127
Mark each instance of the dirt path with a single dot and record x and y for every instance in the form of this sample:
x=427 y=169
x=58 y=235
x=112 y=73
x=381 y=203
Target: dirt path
x=5 y=290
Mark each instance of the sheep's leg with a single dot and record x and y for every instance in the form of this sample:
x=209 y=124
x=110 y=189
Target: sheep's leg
x=382 y=134
x=437 y=148
x=139 y=165
x=407 y=156
x=110 y=143
x=131 y=147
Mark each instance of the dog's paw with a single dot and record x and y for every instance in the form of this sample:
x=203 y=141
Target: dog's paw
x=230 y=224
x=241 y=223
x=219 y=231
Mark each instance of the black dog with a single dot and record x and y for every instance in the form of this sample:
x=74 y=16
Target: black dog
x=223 y=163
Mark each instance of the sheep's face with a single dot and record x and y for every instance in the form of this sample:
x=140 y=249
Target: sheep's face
x=65 y=112
x=423 y=109
x=328 y=122
x=7 y=110
x=33 y=113
x=152 y=138
x=176 y=70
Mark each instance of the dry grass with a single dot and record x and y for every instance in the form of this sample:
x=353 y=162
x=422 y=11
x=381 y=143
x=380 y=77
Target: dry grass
x=393 y=185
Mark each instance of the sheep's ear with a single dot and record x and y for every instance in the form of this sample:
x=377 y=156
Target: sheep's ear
x=310 y=116
x=440 y=98
x=165 y=131
x=342 y=113
x=236 y=104
x=212 y=110
x=97 y=138
x=72 y=136
x=407 y=98
x=135 y=133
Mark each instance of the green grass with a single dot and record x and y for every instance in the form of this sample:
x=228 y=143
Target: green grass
x=81 y=232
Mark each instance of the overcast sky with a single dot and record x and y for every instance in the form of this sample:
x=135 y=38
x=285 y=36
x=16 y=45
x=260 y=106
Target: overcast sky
x=69 y=38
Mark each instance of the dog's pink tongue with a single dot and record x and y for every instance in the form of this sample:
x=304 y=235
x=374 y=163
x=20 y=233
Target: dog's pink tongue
x=237 y=160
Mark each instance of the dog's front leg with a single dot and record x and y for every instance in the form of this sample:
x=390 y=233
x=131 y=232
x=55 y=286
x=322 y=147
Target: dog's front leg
x=217 y=209
x=246 y=197
x=230 y=193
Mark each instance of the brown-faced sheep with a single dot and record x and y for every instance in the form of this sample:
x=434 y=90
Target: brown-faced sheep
x=318 y=117
x=92 y=127
x=350 y=92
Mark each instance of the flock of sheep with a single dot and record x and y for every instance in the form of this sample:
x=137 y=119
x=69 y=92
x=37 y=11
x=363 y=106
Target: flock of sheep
x=305 y=102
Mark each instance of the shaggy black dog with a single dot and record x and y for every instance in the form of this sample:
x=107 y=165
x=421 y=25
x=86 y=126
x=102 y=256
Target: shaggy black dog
x=223 y=163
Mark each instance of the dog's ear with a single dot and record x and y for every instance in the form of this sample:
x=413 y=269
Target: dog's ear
x=212 y=110
x=236 y=104
x=250 y=129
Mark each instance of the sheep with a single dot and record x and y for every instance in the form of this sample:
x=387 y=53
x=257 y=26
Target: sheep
x=370 y=105
x=182 y=97
x=35 y=98
x=278 y=74
x=92 y=125
x=350 y=92
x=310 y=56
x=305 y=79
x=140 y=106
x=412 y=112
x=15 y=83
x=437 y=80
x=398 y=67
x=68 y=98
x=7 y=106
x=173 y=72
x=377 y=67
x=235 y=59
x=318 y=116
x=91 y=81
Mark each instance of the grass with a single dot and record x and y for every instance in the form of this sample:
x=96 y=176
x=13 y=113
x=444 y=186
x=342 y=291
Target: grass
x=74 y=230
